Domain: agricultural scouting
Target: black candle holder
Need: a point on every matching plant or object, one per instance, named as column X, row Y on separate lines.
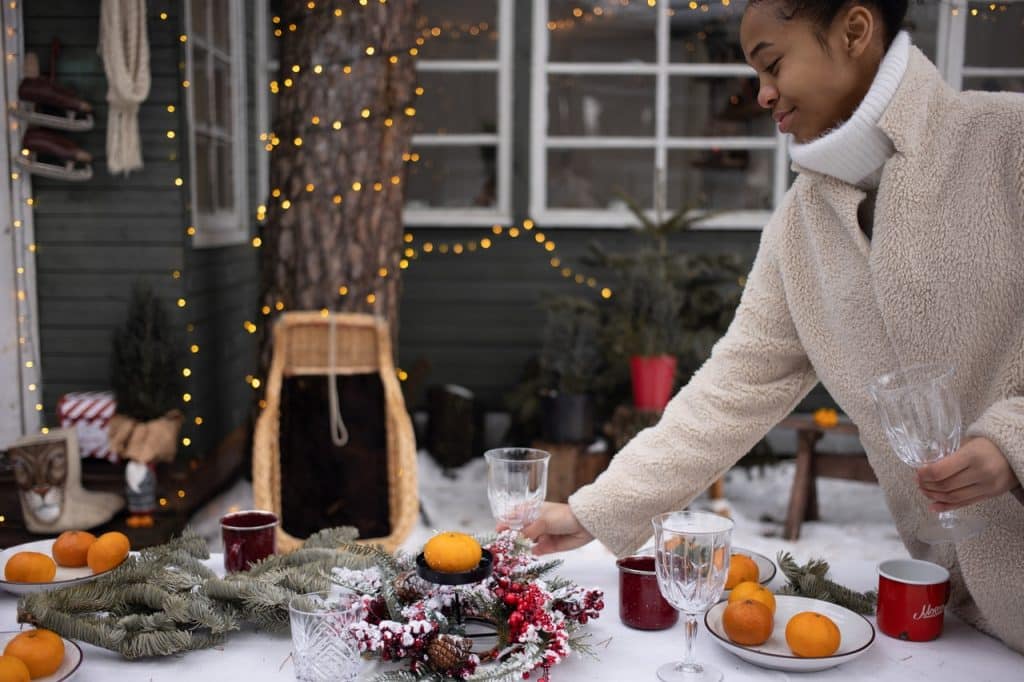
column 481, row 572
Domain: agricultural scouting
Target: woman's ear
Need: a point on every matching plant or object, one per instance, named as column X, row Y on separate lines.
column 858, row 26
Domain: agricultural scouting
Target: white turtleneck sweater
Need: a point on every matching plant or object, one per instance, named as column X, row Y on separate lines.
column 855, row 151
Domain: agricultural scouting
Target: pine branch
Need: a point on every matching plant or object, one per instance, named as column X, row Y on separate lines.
column 809, row 581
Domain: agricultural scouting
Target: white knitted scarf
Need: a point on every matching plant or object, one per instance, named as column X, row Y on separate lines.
column 124, row 47
column 855, row 151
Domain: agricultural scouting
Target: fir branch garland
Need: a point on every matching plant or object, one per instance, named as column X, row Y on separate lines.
column 810, row 580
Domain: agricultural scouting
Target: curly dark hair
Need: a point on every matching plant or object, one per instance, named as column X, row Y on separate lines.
column 823, row 12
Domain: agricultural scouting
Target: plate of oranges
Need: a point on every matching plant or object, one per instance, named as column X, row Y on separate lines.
column 38, row 655
column 783, row 632
column 74, row 557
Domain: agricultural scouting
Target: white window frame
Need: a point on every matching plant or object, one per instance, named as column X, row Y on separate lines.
column 501, row 212
column 222, row 228
column 952, row 45
column 263, row 73
column 662, row 68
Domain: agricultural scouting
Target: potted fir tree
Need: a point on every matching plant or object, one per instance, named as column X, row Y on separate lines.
column 569, row 361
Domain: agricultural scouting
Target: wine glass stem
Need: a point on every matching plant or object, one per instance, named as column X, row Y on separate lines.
column 947, row 519
column 689, row 665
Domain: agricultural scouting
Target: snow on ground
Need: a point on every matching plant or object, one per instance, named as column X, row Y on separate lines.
column 854, row 518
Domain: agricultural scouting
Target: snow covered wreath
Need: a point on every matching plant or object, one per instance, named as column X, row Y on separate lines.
column 537, row 618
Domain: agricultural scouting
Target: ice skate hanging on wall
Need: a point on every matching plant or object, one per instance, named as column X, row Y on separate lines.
column 47, row 107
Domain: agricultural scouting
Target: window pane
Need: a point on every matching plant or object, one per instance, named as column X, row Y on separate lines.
column 222, row 95
column 205, row 181
column 601, row 105
column 922, row 23
column 716, row 107
column 601, row 31
column 457, row 103
column 452, row 177
column 707, row 32
column 225, row 178
column 198, row 10
column 994, row 35
column 721, row 179
column 200, row 85
column 222, row 24
column 596, row 178
column 458, row 29
column 995, row 84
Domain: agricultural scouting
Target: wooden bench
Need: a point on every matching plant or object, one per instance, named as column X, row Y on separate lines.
column 810, row 464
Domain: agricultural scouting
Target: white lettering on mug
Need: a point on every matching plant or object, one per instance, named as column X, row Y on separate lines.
column 929, row 611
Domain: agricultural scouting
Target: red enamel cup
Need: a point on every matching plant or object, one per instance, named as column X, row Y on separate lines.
column 912, row 596
column 641, row 605
column 249, row 537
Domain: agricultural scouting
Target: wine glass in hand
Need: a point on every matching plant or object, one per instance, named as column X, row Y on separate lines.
column 921, row 417
column 517, row 483
column 692, row 562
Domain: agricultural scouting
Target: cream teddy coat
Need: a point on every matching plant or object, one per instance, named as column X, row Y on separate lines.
column 941, row 280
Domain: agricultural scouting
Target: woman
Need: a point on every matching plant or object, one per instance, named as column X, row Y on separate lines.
column 900, row 242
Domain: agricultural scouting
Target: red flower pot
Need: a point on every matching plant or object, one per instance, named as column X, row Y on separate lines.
column 653, row 378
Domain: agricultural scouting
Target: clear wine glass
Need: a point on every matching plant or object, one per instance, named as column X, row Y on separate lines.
column 921, row 417
column 691, row 557
column 517, row 483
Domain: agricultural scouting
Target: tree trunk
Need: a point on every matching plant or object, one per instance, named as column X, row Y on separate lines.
column 333, row 237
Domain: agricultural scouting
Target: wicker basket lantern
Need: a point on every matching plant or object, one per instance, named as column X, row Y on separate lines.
column 362, row 345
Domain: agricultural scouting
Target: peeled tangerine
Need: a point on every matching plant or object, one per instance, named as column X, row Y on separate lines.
column 812, row 635
column 452, row 552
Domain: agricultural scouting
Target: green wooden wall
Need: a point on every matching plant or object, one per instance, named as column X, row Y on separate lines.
column 97, row 238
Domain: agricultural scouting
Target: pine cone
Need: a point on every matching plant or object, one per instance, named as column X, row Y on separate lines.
column 446, row 652
column 404, row 587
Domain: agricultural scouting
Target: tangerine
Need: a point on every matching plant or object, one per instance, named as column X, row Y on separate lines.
column 741, row 569
column 452, row 552
column 71, row 548
column 755, row 591
column 30, row 567
column 109, row 550
column 42, row 651
column 748, row 622
column 810, row 634
column 13, row 670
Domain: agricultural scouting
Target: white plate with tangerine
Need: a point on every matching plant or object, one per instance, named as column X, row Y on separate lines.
column 68, row 563
column 855, row 635
column 39, row 656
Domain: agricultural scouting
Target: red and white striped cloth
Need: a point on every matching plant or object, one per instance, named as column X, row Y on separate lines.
column 89, row 413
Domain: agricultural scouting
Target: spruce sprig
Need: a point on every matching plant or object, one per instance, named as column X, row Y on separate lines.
column 810, row 580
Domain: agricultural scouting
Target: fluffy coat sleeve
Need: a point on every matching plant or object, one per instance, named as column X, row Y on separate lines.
column 758, row 371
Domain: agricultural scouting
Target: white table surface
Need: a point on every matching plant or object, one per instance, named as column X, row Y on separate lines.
column 624, row 655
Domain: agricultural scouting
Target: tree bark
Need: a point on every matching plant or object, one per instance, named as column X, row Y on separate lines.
column 333, row 237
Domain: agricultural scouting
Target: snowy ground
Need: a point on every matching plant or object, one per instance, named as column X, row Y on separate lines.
column 855, row 521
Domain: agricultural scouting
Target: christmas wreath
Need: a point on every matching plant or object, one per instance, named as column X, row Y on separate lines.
column 537, row 618
column 166, row 601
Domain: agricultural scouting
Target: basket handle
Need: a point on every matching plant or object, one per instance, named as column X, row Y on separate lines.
column 339, row 433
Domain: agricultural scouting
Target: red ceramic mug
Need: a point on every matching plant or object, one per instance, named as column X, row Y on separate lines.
column 641, row 605
column 912, row 596
column 249, row 536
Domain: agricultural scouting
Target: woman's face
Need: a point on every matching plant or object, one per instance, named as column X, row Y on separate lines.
column 808, row 89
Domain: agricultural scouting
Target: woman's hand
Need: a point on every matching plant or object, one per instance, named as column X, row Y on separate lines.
column 975, row 472
column 556, row 530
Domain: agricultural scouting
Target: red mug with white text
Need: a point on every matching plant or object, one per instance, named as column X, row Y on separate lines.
column 912, row 596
